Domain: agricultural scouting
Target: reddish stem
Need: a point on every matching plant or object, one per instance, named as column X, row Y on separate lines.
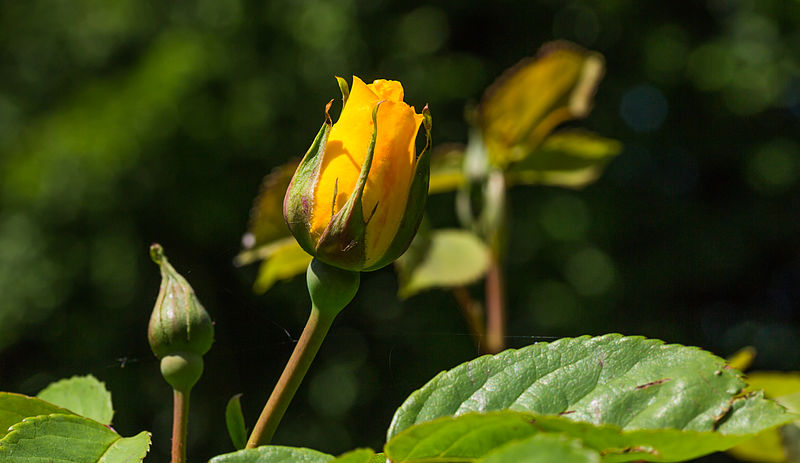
column 180, row 422
column 495, row 307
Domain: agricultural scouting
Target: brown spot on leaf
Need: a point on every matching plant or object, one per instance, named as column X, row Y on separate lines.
column 652, row 383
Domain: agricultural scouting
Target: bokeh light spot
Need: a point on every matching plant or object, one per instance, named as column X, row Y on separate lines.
column 590, row 271
column 576, row 22
column 774, row 167
column 644, row 108
column 711, row 66
column 333, row 390
column 565, row 217
column 423, row 30
column 665, row 53
column 552, row 304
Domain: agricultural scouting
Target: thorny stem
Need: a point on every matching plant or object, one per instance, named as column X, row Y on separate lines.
column 180, row 421
column 304, row 352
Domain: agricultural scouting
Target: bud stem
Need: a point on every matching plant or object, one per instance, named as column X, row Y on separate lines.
column 304, row 353
column 331, row 289
column 180, row 421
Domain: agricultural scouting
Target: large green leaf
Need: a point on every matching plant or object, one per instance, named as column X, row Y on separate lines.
column 473, row 436
column 465, row 438
column 16, row 407
column 69, row 439
column 544, row 448
column 273, row 454
column 631, row 382
column 84, row 395
column 570, row 158
column 448, row 258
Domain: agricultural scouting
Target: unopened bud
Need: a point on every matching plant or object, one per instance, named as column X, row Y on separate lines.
column 180, row 329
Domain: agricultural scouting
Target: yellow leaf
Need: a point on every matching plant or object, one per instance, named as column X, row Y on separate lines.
column 286, row 261
column 529, row 100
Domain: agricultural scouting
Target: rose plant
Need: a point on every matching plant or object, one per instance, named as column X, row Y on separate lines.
column 353, row 204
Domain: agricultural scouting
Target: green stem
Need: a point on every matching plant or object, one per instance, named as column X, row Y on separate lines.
column 180, row 421
column 304, row 352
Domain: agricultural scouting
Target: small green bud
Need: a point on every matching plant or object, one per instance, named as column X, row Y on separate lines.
column 179, row 325
column 331, row 288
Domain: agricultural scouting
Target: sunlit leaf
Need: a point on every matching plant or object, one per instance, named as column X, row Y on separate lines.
column 784, row 388
column 273, row 454
column 448, row 258
column 285, row 260
column 529, row 100
column 16, row 407
column 360, row 456
column 266, row 223
column 544, row 448
column 234, row 421
column 630, row 382
column 499, row 437
column 70, row 439
column 84, row 395
column 473, row 436
column 571, row 158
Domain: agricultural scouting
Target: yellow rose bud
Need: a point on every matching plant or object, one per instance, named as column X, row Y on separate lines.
column 357, row 197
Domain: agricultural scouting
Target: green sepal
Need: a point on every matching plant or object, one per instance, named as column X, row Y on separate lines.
column 342, row 243
column 345, row 89
column 415, row 204
column 178, row 323
column 298, row 204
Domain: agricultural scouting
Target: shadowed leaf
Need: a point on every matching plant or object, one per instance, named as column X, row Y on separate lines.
column 234, row 420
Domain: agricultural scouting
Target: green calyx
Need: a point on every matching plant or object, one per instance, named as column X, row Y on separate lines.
column 298, row 204
column 331, row 288
column 179, row 324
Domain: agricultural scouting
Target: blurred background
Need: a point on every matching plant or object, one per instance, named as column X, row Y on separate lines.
column 128, row 122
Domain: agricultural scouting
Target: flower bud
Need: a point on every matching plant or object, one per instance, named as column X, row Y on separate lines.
column 357, row 198
column 180, row 330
